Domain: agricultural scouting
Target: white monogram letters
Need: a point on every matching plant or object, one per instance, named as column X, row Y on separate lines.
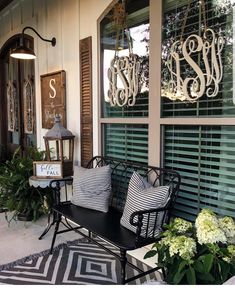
column 201, row 59
column 51, row 82
column 124, row 80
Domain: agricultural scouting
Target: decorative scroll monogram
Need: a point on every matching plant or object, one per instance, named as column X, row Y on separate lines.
column 124, row 80
column 124, row 71
column 201, row 56
column 28, row 107
column 12, row 107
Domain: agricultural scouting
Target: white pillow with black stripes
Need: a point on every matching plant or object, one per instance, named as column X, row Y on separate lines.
column 142, row 195
column 92, row 188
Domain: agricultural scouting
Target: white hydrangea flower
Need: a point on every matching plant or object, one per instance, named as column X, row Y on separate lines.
column 166, row 241
column 231, row 240
column 228, row 226
column 208, row 232
column 227, row 259
column 231, row 250
column 181, row 225
column 205, row 214
column 184, row 246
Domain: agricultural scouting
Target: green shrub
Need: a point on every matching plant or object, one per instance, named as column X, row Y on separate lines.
column 15, row 192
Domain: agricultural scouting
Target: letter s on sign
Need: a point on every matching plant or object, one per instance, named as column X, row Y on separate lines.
column 52, row 88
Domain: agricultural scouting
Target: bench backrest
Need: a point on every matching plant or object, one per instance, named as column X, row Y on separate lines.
column 122, row 172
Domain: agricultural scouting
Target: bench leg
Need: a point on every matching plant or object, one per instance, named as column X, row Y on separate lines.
column 163, row 274
column 55, row 232
column 123, row 261
column 49, row 224
column 89, row 235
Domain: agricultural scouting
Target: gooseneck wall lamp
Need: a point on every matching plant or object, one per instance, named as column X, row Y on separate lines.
column 24, row 52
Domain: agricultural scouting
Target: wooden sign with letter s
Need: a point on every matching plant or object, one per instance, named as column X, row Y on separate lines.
column 53, row 98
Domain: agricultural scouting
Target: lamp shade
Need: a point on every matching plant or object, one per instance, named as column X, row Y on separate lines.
column 23, row 52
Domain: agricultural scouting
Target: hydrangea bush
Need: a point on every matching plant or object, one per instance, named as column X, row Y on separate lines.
column 203, row 253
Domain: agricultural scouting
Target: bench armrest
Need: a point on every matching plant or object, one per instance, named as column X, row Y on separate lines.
column 136, row 219
column 56, row 185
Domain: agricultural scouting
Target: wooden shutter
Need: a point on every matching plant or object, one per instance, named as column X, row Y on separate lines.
column 86, row 100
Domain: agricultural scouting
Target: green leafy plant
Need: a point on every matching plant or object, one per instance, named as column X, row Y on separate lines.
column 15, row 192
column 203, row 253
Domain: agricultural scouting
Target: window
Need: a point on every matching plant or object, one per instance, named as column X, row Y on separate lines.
column 194, row 138
column 125, row 128
column 223, row 104
column 18, row 125
column 127, row 142
column 198, row 138
column 205, row 159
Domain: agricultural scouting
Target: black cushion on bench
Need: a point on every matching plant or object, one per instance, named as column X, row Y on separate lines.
column 107, row 225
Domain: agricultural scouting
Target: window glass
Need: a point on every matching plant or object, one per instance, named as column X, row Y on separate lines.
column 182, row 18
column 114, row 41
column 126, row 142
column 205, row 158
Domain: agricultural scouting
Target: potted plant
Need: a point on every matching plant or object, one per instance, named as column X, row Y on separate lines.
column 15, row 192
column 200, row 253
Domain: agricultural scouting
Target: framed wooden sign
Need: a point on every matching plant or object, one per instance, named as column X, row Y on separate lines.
column 47, row 169
column 53, row 98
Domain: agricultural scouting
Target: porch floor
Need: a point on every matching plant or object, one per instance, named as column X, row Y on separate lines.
column 20, row 239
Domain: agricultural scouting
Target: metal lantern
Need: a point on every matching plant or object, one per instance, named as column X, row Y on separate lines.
column 59, row 143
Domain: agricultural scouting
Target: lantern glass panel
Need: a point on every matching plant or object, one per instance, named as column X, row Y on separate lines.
column 66, row 149
column 54, row 150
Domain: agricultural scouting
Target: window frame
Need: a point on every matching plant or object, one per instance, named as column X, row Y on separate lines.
column 112, row 120
column 155, row 122
column 183, row 121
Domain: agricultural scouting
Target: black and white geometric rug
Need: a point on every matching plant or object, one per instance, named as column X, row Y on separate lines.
column 77, row 262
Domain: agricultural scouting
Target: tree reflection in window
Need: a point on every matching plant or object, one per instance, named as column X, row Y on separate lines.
column 138, row 26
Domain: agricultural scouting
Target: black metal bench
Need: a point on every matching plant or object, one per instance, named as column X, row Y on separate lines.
column 107, row 225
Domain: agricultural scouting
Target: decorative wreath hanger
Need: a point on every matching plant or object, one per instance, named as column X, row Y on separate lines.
column 12, row 107
column 205, row 77
column 124, row 71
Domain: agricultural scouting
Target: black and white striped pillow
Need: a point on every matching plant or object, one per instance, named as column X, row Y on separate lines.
column 92, row 189
column 142, row 195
